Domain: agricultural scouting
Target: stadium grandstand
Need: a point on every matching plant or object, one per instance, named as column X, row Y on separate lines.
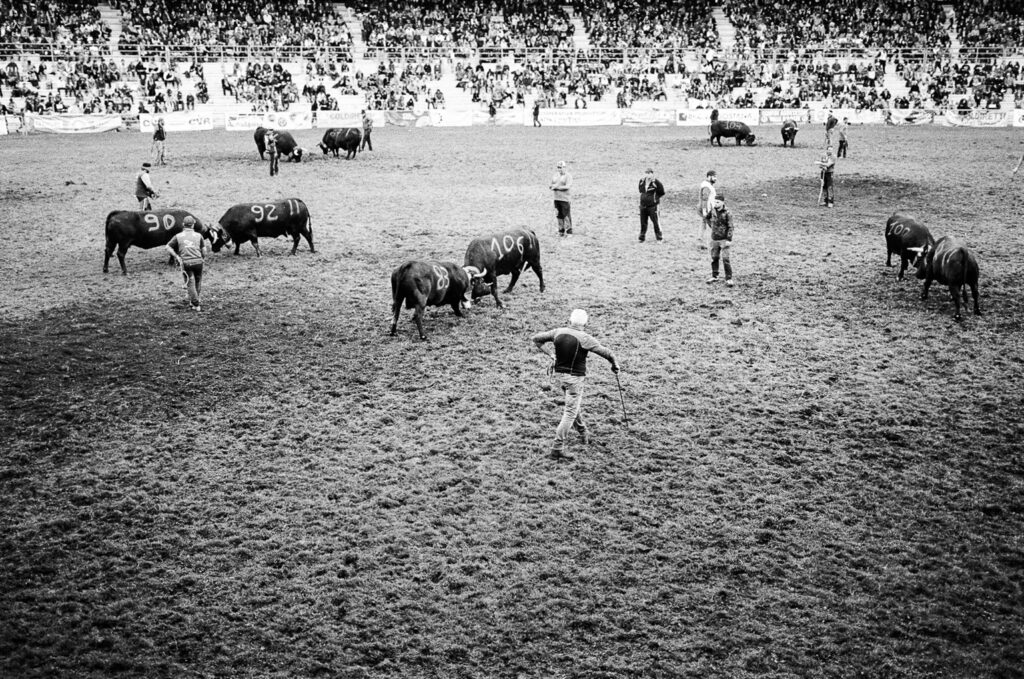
column 152, row 56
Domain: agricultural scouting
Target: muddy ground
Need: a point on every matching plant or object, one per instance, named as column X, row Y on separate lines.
column 821, row 474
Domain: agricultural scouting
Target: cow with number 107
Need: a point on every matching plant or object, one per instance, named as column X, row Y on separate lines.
column 248, row 222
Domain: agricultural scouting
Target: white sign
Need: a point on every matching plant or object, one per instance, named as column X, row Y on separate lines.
column 338, row 119
column 1018, row 117
column 73, row 124
column 175, row 122
column 562, row 117
column 450, row 117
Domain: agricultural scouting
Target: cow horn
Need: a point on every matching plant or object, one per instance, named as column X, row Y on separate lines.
column 918, row 250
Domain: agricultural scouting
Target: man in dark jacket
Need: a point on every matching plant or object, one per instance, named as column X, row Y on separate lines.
column 651, row 191
column 721, row 239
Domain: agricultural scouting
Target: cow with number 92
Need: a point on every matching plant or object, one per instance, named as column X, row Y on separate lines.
column 248, row 222
column 146, row 230
column 419, row 284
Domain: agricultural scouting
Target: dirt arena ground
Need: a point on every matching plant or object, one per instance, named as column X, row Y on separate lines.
column 821, row 476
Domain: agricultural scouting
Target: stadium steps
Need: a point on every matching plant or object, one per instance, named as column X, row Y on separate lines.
column 954, row 40
column 580, row 37
column 355, row 30
column 112, row 19
column 726, row 31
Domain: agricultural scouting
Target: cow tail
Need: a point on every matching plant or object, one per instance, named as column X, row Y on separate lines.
column 106, row 231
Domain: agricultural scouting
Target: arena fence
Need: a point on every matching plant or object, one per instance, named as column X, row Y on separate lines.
column 638, row 116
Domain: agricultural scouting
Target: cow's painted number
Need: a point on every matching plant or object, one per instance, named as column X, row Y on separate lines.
column 442, row 277
column 507, row 243
column 154, row 222
column 899, row 229
column 265, row 212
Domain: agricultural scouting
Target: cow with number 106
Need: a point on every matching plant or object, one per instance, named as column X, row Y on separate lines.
column 248, row 222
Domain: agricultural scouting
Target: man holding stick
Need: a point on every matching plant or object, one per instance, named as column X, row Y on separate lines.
column 572, row 345
column 827, row 165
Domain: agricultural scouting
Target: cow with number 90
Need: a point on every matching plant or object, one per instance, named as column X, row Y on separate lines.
column 247, row 222
column 146, row 230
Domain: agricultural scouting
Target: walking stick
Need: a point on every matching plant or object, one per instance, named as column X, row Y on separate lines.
column 821, row 189
column 622, row 401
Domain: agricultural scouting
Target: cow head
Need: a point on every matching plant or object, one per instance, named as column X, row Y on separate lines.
column 298, row 154
column 923, row 261
column 322, row 147
column 917, row 255
column 478, row 288
column 218, row 237
column 750, row 139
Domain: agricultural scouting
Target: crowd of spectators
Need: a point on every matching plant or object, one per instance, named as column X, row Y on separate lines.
column 267, row 86
column 990, row 23
column 945, row 83
column 84, row 85
column 767, row 24
column 657, row 25
column 398, row 85
column 236, row 26
column 62, row 26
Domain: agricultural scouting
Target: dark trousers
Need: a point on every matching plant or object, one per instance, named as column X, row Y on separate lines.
column 829, row 190
column 193, row 275
column 842, row 149
column 649, row 213
column 366, row 141
column 274, row 163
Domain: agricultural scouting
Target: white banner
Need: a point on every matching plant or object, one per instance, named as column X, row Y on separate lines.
column 777, row 116
column 980, row 118
column 234, row 122
column 3, row 126
column 450, row 117
column 72, row 124
column 693, row 117
column 289, row 120
column 908, row 116
column 648, row 117
column 750, row 116
column 562, row 117
column 1018, row 117
column 175, row 122
column 350, row 103
column 345, row 118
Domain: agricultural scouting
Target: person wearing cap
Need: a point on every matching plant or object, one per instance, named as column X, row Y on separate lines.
column 706, row 205
column 651, row 191
column 144, row 191
column 159, row 139
column 830, row 124
column 827, row 164
column 560, row 185
column 572, row 344
column 367, row 129
column 189, row 249
column 721, row 239
column 843, row 145
column 270, row 138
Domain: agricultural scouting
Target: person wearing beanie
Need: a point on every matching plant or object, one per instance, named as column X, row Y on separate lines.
column 572, row 344
column 651, row 191
column 721, row 239
column 189, row 249
column 144, row 188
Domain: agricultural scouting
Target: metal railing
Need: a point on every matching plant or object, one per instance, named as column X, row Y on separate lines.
column 217, row 53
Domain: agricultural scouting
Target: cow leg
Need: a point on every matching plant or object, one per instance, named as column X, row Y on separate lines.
column 238, row 244
column 888, row 257
column 956, row 301
column 924, row 290
column 738, row 141
column 121, row 252
column 256, row 244
column 396, row 310
column 903, row 267
column 974, row 293
column 295, row 242
column 418, row 317
column 494, row 292
column 107, row 252
column 540, row 274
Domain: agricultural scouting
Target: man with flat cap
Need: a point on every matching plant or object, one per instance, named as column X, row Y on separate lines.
column 189, row 249
column 572, row 345
column 651, row 191
column 144, row 188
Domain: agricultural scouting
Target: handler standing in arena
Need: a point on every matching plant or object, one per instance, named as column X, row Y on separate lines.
column 721, row 239
column 828, row 166
column 572, row 345
column 830, row 124
column 367, row 129
column 275, row 158
column 159, row 139
column 188, row 247
column 706, row 205
column 144, row 188
column 843, row 145
column 560, row 185
column 651, row 191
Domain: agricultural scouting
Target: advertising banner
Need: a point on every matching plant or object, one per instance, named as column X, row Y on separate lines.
column 337, row 119
column 696, row 117
column 1018, row 117
column 693, row 117
column 289, row 120
column 564, row 117
column 175, row 122
column 72, row 124
column 406, row 118
column 648, row 117
column 3, row 126
column 505, row 117
column 450, row 117
column 908, row 116
column 777, row 116
column 980, row 118
column 234, row 122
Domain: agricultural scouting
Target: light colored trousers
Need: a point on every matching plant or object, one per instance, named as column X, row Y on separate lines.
column 572, row 411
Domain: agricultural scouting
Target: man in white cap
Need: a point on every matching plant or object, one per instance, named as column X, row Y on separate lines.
column 144, row 188
column 572, row 345
column 188, row 247
column 560, row 185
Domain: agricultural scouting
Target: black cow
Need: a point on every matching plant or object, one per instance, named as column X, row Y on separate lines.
column 247, row 222
column 729, row 128
column 421, row 284
column 908, row 238
column 951, row 264
column 504, row 253
column 149, row 229
column 286, row 145
column 346, row 139
column 789, row 130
